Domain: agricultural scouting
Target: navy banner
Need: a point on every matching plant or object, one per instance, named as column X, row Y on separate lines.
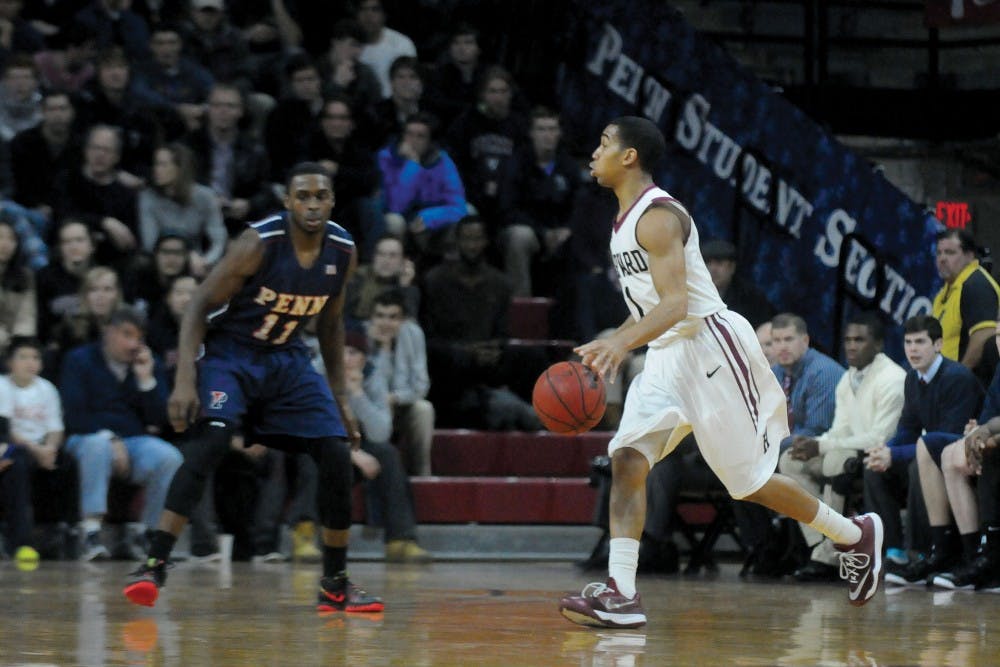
column 812, row 220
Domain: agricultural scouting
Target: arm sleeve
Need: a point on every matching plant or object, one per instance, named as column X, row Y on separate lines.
column 399, row 180
column 371, row 407
column 79, row 417
column 453, row 207
column 215, row 228
column 149, row 230
column 904, row 453
column 153, row 403
column 820, row 401
column 991, row 406
column 411, row 380
column 962, row 398
column 979, row 303
column 909, row 428
column 53, row 410
column 26, row 317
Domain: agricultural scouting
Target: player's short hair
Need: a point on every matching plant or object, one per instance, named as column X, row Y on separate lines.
column 20, row 61
column 542, row 112
column 468, row 220
column 642, row 135
column 231, row 86
column 113, row 55
column 963, row 237
column 491, row 74
column 928, row 323
column 391, row 297
column 348, row 29
column 170, row 236
column 305, row 168
column 50, row 93
column 297, row 63
column 870, row 320
column 17, row 342
column 785, row 320
column 405, row 62
column 127, row 315
column 462, row 29
column 423, row 118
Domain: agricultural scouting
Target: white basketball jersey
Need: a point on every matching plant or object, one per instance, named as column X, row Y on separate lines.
column 632, row 263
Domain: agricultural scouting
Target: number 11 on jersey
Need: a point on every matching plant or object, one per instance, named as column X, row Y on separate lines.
column 264, row 330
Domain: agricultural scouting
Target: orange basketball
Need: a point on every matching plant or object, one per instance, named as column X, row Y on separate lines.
column 568, row 398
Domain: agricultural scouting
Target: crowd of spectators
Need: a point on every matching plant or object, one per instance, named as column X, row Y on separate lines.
column 138, row 137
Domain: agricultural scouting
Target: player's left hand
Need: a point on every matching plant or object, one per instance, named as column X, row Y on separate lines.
column 603, row 356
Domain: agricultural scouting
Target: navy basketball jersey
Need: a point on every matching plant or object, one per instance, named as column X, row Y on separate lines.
column 277, row 300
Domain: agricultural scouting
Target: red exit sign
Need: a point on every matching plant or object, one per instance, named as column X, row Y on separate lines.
column 954, row 213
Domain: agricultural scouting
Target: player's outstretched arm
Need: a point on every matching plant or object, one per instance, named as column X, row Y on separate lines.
column 662, row 233
column 330, row 333
column 222, row 283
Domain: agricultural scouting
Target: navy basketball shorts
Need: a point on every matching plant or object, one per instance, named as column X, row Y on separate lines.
column 268, row 392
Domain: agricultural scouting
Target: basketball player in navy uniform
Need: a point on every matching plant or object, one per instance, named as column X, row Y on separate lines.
column 255, row 374
column 704, row 372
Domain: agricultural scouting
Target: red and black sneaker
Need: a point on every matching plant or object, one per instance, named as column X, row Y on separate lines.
column 146, row 581
column 603, row 606
column 861, row 562
column 339, row 594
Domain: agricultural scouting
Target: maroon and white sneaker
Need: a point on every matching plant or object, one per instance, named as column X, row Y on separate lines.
column 861, row 562
column 603, row 606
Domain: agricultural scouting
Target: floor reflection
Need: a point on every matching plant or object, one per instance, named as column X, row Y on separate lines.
column 472, row 614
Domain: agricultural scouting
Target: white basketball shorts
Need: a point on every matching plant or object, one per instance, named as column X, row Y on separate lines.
column 719, row 385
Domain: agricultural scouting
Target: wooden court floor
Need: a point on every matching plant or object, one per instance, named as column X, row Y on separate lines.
column 474, row 614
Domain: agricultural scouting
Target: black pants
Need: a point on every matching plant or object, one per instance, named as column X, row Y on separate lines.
column 283, row 474
column 886, row 493
column 15, row 499
column 389, row 498
column 988, row 489
column 682, row 470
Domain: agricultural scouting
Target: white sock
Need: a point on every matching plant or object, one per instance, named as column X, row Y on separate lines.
column 834, row 525
column 623, row 560
column 91, row 526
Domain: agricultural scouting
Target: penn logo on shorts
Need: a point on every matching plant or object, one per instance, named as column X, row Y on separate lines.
column 331, row 269
column 218, row 398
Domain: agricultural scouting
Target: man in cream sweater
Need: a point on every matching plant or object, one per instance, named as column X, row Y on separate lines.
column 869, row 400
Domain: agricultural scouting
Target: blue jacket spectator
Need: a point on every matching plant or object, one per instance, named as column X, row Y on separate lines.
column 114, row 393
column 420, row 181
column 95, row 399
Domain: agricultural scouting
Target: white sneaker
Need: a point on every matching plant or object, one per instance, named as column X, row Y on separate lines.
column 273, row 557
column 93, row 549
column 207, row 558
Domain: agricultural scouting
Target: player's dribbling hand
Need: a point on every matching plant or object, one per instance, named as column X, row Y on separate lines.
column 182, row 407
column 603, row 356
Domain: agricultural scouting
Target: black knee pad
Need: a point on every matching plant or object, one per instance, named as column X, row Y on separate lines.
column 203, row 449
column 333, row 493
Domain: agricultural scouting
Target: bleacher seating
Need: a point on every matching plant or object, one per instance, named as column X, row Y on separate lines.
column 528, row 317
column 512, row 477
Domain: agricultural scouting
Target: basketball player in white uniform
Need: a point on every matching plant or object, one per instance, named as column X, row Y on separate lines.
column 705, row 371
